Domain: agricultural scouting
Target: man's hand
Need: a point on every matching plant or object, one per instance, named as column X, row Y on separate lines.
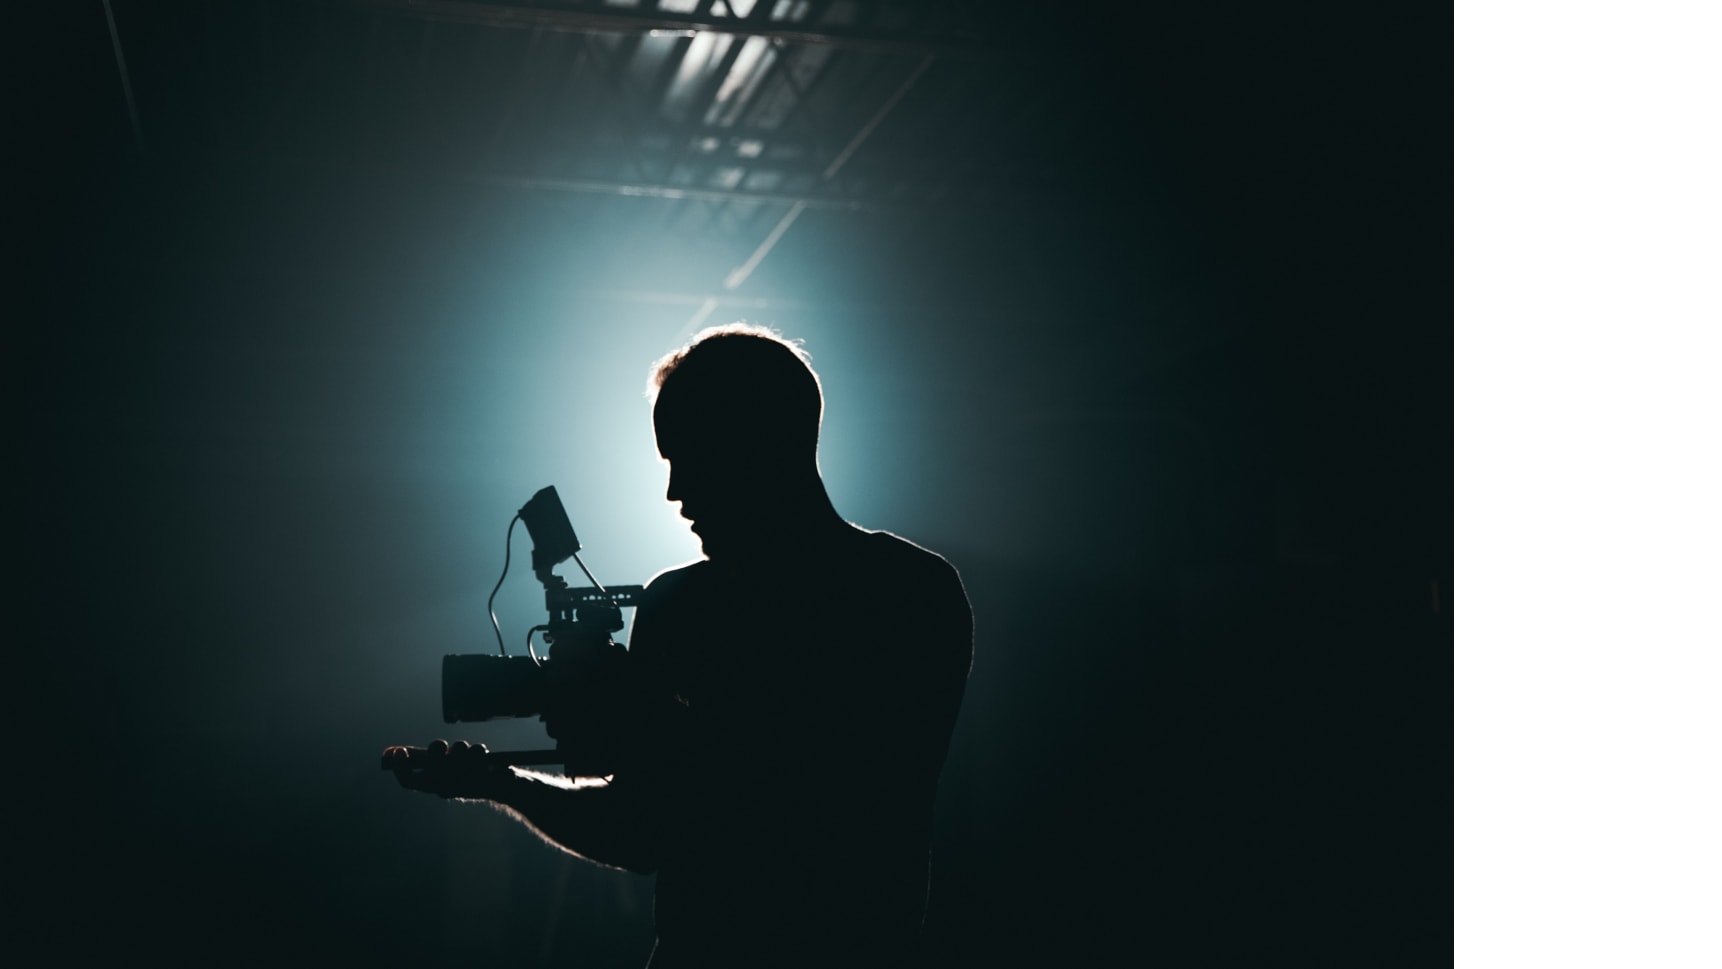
column 447, row 770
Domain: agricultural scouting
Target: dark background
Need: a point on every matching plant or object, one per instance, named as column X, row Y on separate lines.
column 1186, row 434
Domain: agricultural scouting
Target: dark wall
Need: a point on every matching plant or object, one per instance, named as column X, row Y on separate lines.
column 1188, row 441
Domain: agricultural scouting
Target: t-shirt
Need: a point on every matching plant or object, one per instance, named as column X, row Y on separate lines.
column 792, row 799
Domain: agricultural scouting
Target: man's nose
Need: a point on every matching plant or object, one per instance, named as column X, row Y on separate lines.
column 677, row 488
column 694, row 481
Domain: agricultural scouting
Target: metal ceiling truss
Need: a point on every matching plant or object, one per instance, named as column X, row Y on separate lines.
column 758, row 117
column 770, row 19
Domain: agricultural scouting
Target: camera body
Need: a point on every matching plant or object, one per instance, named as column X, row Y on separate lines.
column 488, row 686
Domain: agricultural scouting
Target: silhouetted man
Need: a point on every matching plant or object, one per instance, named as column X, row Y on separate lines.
column 789, row 699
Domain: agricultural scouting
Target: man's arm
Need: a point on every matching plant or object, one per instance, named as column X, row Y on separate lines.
column 588, row 818
column 601, row 822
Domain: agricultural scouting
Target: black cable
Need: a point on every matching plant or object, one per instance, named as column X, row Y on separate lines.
column 490, row 605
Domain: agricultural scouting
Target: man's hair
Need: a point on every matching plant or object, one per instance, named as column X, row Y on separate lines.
column 752, row 382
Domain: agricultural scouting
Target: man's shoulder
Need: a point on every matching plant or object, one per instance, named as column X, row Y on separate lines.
column 900, row 556
column 866, row 552
column 926, row 594
column 678, row 580
column 881, row 542
column 671, row 604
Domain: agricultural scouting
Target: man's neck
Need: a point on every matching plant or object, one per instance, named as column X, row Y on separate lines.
column 797, row 525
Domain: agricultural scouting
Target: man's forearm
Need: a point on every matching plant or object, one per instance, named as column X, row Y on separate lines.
column 593, row 820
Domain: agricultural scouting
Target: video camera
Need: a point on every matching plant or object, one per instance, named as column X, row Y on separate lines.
column 570, row 689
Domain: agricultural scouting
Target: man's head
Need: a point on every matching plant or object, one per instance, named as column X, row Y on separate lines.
column 737, row 413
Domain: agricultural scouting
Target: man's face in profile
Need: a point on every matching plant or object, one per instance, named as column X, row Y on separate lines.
column 724, row 488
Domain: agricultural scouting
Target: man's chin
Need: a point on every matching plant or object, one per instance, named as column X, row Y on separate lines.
column 708, row 544
column 715, row 543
